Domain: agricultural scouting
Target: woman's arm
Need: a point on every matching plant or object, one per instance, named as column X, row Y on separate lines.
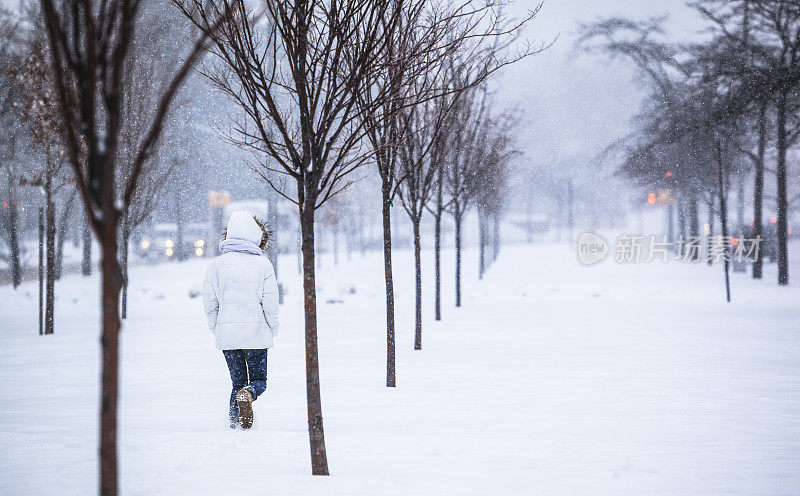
column 210, row 301
column 269, row 300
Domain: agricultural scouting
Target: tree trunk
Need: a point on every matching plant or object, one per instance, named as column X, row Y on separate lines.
column 457, row 219
column 13, row 231
column 86, row 258
column 671, row 223
column 349, row 237
column 682, row 226
column 740, row 204
column 758, row 192
column 496, row 238
column 50, row 240
column 694, row 224
column 75, row 236
column 418, row 279
column 335, row 245
column 739, row 264
column 111, row 285
column 481, row 244
column 318, row 254
column 362, row 240
column 711, row 214
column 437, row 248
column 41, row 271
column 180, row 253
column 723, row 217
column 387, row 268
column 783, row 202
column 62, row 233
column 126, row 235
column 316, row 433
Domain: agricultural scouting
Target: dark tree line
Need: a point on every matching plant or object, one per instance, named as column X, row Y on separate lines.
column 716, row 110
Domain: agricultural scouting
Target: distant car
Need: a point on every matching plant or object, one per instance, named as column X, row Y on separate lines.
column 194, row 240
column 162, row 243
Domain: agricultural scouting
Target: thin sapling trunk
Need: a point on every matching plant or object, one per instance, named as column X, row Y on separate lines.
column 319, row 461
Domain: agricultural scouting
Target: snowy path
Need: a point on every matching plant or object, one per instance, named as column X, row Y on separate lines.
column 553, row 379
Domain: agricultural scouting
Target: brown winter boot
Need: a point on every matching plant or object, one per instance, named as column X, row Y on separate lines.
column 244, row 399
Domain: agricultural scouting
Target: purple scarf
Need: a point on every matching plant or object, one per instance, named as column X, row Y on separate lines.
column 239, row 245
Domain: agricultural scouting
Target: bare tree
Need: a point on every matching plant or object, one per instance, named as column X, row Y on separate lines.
column 427, row 35
column 295, row 71
column 89, row 45
column 40, row 114
column 61, row 232
column 355, row 209
column 692, row 133
column 438, row 211
column 740, row 65
column 467, row 150
column 421, row 156
column 86, row 246
column 415, row 44
column 145, row 72
column 490, row 187
column 427, row 126
column 11, row 52
column 769, row 33
column 332, row 216
column 478, row 150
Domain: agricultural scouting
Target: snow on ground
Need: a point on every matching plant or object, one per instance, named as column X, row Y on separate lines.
column 552, row 379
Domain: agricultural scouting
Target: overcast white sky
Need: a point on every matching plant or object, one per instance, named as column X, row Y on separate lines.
column 575, row 103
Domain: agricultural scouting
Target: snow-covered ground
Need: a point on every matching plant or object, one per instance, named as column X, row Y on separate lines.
column 552, row 379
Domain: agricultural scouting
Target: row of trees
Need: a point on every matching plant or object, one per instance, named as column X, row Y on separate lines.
column 34, row 143
column 323, row 88
column 719, row 111
column 28, row 112
column 95, row 92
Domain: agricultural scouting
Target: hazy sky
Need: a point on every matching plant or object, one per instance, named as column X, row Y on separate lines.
column 575, row 103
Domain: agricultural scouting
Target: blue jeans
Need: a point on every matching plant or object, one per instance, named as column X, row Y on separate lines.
column 248, row 370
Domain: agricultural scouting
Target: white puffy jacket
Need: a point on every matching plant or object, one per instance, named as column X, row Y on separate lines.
column 240, row 293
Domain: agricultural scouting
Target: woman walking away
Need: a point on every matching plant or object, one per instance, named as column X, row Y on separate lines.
column 240, row 296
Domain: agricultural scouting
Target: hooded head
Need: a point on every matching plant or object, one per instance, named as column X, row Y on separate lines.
column 242, row 226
